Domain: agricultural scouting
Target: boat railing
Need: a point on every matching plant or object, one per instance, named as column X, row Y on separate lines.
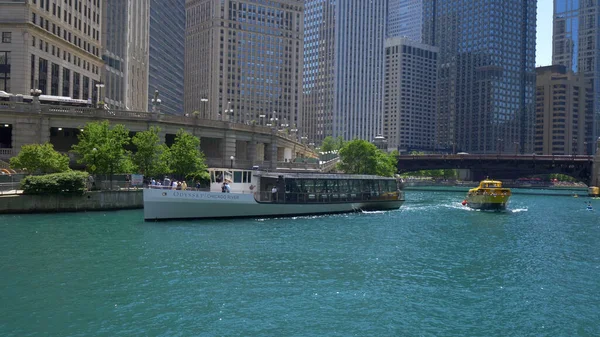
column 324, row 197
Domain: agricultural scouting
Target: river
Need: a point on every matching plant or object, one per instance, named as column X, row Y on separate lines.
column 432, row 268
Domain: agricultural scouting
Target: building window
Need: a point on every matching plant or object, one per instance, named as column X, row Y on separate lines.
column 5, row 71
column 43, row 75
column 6, row 37
column 66, row 82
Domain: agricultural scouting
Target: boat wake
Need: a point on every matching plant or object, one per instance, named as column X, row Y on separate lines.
column 518, row 210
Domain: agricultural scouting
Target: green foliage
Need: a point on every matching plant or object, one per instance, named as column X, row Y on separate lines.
column 151, row 158
column 328, row 144
column 362, row 157
column 102, row 149
column 332, row 144
column 66, row 182
column 40, row 158
column 185, row 157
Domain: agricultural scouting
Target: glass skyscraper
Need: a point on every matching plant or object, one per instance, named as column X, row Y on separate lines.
column 405, row 19
column 576, row 45
column 167, row 52
column 344, row 68
column 486, row 73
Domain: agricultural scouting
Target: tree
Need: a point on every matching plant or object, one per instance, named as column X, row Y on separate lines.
column 328, row 144
column 41, row 158
column 185, row 157
column 332, row 144
column 339, row 144
column 362, row 157
column 151, row 158
column 102, row 149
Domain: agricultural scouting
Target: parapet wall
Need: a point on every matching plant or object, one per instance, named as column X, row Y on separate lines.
column 91, row 201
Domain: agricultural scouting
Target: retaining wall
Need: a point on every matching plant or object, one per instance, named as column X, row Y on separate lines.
column 91, row 201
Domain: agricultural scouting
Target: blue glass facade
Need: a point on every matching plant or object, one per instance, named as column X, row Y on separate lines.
column 486, row 73
column 576, row 45
column 405, row 19
column 167, row 48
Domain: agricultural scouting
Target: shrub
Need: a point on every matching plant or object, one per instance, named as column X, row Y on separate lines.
column 67, row 182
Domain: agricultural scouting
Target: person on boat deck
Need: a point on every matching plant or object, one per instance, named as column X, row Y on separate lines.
column 183, row 185
column 174, row 185
column 227, row 188
column 223, row 188
column 274, row 193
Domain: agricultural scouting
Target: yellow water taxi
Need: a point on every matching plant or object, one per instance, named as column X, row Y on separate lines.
column 594, row 191
column 489, row 195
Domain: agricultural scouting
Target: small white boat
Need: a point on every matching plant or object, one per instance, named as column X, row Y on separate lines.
column 274, row 194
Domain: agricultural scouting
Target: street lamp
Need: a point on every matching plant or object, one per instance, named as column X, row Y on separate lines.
column 35, row 92
column 99, row 87
column 231, row 158
column 262, row 118
column 204, row 100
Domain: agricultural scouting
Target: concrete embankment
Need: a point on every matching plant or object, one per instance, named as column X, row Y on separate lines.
column 91, row 201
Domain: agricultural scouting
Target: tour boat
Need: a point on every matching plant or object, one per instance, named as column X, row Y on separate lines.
column 489, row 195
column 255, row 193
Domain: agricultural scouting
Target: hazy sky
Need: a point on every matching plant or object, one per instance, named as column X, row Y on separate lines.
column 543, row 56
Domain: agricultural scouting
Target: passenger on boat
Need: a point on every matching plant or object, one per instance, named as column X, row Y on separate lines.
column 274, row 193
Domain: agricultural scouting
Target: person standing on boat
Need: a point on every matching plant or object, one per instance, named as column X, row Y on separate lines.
column 274, row 193
column 227, row 188
column 223, row 188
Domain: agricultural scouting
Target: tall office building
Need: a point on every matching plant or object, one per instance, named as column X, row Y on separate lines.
column 486, row 72
column 410, row 90
column 51, row 45
column 576, row 45
column 243, row 60
column 167, row 45
column 564, row 112
column 405, row 19
column 344, row 68
column 125, row 42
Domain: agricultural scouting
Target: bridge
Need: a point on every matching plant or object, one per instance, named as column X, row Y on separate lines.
column 224, row 143
column 582, row 168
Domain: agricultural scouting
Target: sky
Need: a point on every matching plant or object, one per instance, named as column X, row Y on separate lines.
column 543, row 55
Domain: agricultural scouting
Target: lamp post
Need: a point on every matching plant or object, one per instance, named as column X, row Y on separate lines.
column 99, row 87
column 262, row 118
column 95, row 151
column 204, row 100
column 231, row 158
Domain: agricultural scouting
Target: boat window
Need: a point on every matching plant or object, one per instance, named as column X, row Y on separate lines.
column 247, row 177
column 237, row 176
column 212, row 176
column 333, row 186
column 309, row 186
column 218, row 176
column 355, row 186
column 320, row 186
column 343, row 186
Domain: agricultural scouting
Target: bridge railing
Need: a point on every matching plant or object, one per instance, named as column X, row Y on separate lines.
column 496, row 156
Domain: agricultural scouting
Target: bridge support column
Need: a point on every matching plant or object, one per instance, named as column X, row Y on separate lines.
column 271, row 153
column 252, row 151
column 26, row 132
column 596, row 166
column 229, row 145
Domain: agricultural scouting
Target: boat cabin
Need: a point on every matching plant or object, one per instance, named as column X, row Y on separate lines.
column 303, row 187
column 490, row 184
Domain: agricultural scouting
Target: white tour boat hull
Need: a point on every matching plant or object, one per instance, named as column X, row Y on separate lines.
column 162, row 204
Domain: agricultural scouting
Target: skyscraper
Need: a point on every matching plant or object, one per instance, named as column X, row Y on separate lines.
column 405, row 19
column 167, row 45
column 410, row 90
column 125, row 42
column 564, row 112
column 51, row 46
column 576, row 45
column 243, row 61
column 486, row 72
column 344, row 68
